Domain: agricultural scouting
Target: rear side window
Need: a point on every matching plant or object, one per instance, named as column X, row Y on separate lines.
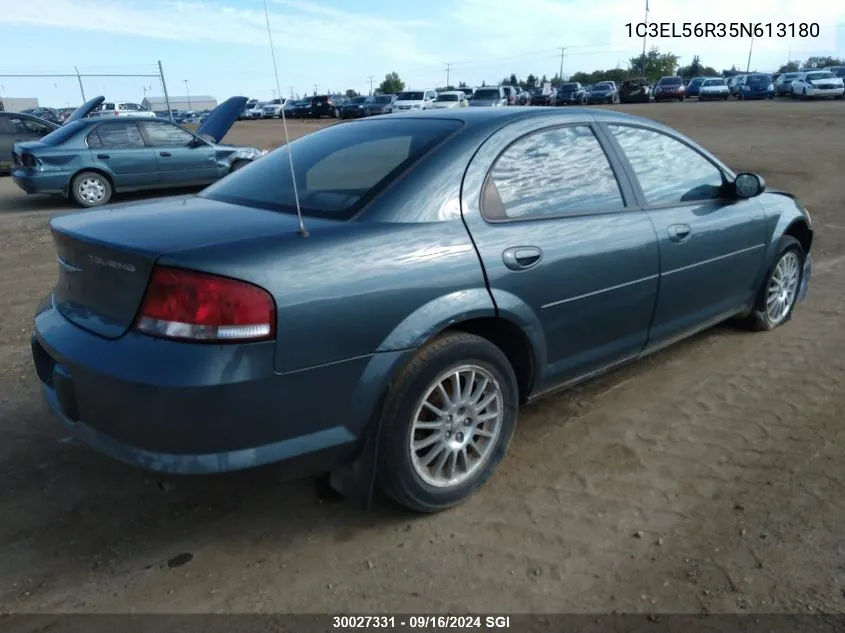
column 118, row 135
column 338, row 169
column 551, row 173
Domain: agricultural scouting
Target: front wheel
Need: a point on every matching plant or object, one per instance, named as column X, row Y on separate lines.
column 779, row 292
column 91, row 189
column 447, row 422
column 238, row 164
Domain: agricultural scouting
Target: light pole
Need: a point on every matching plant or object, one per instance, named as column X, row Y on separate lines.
column 188, row 94
column 645, row 34
column 750, row 48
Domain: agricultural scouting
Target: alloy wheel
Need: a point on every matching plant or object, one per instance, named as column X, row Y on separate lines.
column 783, row 287
column 456, row 426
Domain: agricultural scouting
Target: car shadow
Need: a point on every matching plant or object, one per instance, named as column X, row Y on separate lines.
column 18, row 202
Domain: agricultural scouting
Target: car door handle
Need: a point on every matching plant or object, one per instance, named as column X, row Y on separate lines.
column 164, row 154
column 522, row 257
column 103, row 156
column 679, row 232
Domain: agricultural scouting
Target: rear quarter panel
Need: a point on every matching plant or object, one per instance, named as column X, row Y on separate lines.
column 66, row 159
column 386, row 281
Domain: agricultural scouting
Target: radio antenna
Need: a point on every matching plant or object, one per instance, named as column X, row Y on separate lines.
column 302, row 230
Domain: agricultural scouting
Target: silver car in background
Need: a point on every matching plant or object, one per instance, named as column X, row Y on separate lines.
column 714, row 89
column 489, row 97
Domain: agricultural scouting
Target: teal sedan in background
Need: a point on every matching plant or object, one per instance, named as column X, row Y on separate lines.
column 88, row 160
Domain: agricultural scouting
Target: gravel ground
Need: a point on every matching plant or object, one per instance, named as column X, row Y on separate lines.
column 707, row 478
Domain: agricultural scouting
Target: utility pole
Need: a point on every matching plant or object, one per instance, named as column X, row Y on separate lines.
column 645, row 34
column 562, row 53
column 291, row 91
column 448, row 74
column 79, row 79
column 371, row 80
column 751, row 48
column 164, row 88
column 315, row 89
column 274, row 94
column 188, row 94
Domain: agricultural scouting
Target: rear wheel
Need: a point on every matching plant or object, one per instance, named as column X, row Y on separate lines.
column 779, row 292
column 447, row 422
column 91, row 189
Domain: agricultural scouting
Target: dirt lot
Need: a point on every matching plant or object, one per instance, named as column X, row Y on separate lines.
column 707, row 478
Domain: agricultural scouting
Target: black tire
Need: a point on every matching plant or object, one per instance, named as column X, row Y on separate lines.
column 397, row 476
column 83, row 186
column 758, row 319
column 238, row 164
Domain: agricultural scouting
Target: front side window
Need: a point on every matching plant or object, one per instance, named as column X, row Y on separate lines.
column 163, row 134
column 669, row 171
column 554, row 172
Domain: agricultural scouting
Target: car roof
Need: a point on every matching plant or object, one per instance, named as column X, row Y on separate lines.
column 496, row 117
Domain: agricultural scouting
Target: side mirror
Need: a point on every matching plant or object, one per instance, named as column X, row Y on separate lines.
column 748, row 185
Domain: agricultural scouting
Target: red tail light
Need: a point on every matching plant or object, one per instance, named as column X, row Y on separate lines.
column 186, row 305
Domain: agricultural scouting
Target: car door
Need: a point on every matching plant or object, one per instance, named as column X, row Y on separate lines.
column 182, row 158
column 712, row 245
column 118, row 148
column 560, row 246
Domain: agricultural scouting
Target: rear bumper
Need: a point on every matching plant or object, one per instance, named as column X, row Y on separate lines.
column 183, row 408
column 36, row 182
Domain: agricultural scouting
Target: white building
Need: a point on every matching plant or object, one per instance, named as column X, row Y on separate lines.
column 16, row 104
column 198, row 102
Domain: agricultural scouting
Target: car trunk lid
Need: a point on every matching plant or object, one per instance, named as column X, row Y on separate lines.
column 105, row 257
column 100, row 286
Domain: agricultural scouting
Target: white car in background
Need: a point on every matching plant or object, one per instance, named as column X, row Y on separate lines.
column 257, row 111
column 451, row 99
column 414, row 100
column 714, row 89
column 814, row 84
column 109, row 108
column 273, row 109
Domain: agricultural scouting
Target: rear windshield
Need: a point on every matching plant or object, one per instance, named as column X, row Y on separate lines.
column 382, row 99
column 569, row 87
column 786, row 76
column 447, row 97
column 338, row 170
column 714, row 82
column 480, row 95
column 758, row 79
column 410, row 96
column 57, row 137
column 670, row 81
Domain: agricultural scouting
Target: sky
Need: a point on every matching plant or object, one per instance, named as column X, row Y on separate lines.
column 221, row 48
